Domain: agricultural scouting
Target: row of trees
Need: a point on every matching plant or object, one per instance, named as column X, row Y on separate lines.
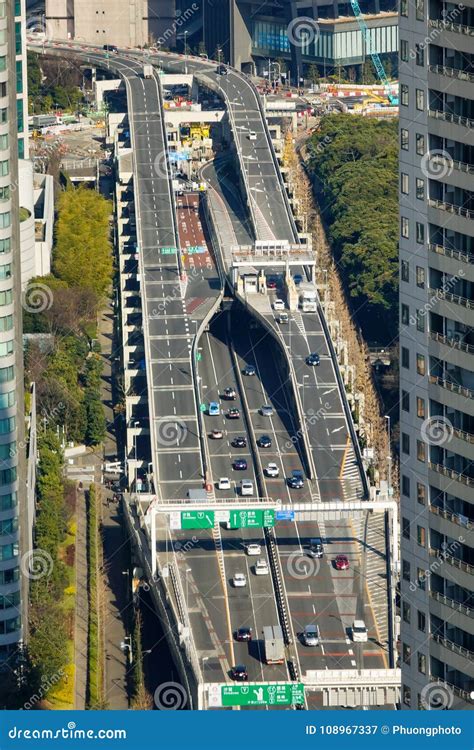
column 53, row 84
column 354, row 163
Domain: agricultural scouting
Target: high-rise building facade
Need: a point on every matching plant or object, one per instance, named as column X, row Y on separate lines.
column 437, row 352
column 13, row 585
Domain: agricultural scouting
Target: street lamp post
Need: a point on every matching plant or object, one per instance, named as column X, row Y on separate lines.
column 389, row 455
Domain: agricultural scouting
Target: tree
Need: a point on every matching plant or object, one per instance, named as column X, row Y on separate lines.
column 368, row 73
column 313, row 73
column 95, row 419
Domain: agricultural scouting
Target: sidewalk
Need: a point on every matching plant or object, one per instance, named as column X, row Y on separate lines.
column 82, row 606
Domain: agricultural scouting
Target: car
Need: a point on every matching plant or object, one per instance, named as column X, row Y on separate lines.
column 246, row 487
column 283, row 318
column 252, row 135
column 266, row 410
column 216, row 434
column 240, row 464
column 243, row 634
column 271, row 284
column 110, row 48
column 239, row 442
column 341, row 562
column 239, row 580
column 278, row 304
column 239, row 673
column 296, row 480
column 359, row 632
column 261, row 568
column 230, row 394
column 297, row 278
column 249, row 370
column 310, row 636
column 253, row 549
column 313, row 360
column 271, row 470
column 223, row 483
column 316, row 548
column 221, row 70
column 214, row 409
column 264, row 441
column 233, row 414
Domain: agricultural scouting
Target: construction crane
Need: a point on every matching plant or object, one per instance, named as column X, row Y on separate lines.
column 377, row 62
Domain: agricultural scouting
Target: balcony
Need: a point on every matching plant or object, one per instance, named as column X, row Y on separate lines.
column 450, row 26
column 455, row 562
column 452, row 604
column 450, row 386
column 453, row 348
column 446, row 161
column 451, row 474
column 450, row 252
column 447, row 259
column 463, row 695
column 456, row 518
column 449, row 297
column 460, row 75
column 451, row 208
column 449, row 524
column 438, row 114
column 454, row 647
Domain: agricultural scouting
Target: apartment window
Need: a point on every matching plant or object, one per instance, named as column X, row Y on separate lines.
column 406, row 653
column 5, row 245
column 421, row 450
column 421, row 536
column 3, row 10
column 420, row 144
column 9, row 576
column 405, row 443
column 406, row 612
column 7, row 450
column 404, row 95
column 420, row 10
column 421, row 493
column 405, row 227
column 406, row 695
column 3, row 141
column 10, row 600
column 405, row 358
column 404, row 184
column 405, row 314
column 4, row 168
column 6, row 348
column 420, row 100
column 5, row 220
column 405, row 528
column 420, row 321
column 420, row 189
column 405, row 270
column 8, row 551
column 404, row 139
column 7, row 399
column 405, row 485
column 403, row 50
column 406, row 571
column 421, row 618
column 10, row 626
column 422, row 663
column 7, row 476
column 7, row 425
column 7, row 502
column 420, row 364
column 420, row 407
column 6, row 297
column 6, row 374
column 6, row 324
column 405, row 401
column 3, row 89
column 420, row 232
column 6, row 271
column 421, row 578
column 4, row 192
column 419, row 54
column 9, row 526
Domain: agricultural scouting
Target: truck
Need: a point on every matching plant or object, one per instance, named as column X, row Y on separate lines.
column 273, row 645
column 308, row 297
column 148, row 71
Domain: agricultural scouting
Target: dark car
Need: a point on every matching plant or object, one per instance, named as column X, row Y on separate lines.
column 239, row 442
column 297, row 278
column 233, row 414
column 271, row 284
column 240, row 464
column 239, row 673
column 221, row 70
column 249, row 370
column 229, row 394
column 110, row 48
column 313, row 359
column 264, row 441
column 243, row 634
column 296, row 480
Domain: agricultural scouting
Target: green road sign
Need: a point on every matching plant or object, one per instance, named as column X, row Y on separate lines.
column 251, row 519
column 281, row 694
column 168, row 250
column 197, row 519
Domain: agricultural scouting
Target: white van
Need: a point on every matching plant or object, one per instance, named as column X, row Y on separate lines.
column 359, row 632
column 252, row 135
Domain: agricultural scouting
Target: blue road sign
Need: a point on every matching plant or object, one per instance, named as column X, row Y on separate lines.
column 285, row 515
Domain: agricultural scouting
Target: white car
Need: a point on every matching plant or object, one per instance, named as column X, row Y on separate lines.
column 278, row 304
column 252, row 135
column 272, row 470
column 253, row 549
column 246, row 487
column 261, row 568
column 239, row 580
column 223, row 484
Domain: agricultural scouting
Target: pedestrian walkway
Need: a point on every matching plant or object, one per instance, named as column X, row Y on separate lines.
column 82, row 606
